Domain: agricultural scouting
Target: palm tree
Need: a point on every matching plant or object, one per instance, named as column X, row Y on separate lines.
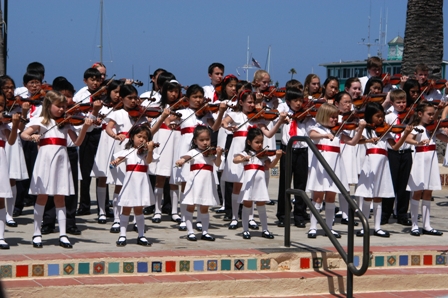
column 423, row 37
column 292, row 71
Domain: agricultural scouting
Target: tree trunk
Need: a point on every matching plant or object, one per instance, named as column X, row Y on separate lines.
column 423, row 37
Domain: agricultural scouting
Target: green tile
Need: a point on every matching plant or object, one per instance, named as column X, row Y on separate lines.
column 113, row 267
column 84, row 268
column 379, row 261
column 252, row 264
column 225, row 265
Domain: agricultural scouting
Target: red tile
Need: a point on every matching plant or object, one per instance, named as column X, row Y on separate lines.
column 305, row 263
column 174, row 278
column 23, row 283
column 51, row 282
column 170, row 266
column 21, row 270
column 427, row 260
column 211, row 276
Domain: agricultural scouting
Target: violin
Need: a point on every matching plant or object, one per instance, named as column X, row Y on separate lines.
column 274, row 92
column 361, row 101
column 408, row 112
column 345, row 126
column 436, row 125
column 263, row 114
column 7, row 118
column 143, row 150
column 100, row 94
column 182, row 103
column 134, row 82
column 149, row 112
column 267, row 153
column 70, row 119
column 382, row 129
column 390, row 79
column 211, row 151
column 39, row 96
column 301, row 115
column 208, row 108
column 430, row 85
column 18, row 101
column 352, row 115
column 313, row 102
column 81, row 107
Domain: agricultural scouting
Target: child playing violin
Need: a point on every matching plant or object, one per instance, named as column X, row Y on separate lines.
column 424, row 176
column 215, row 73
column 52, row 171
column 375, row 181
column 200, row 189
column 312, row 88
column 330, row 88
column 319, row 182
column 254, row 186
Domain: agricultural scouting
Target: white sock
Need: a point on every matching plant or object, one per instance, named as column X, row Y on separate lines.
column 174, row 200
column 140, row 219
column 101, row 198
column 329, row 214
column 414, row 214
column 62, row 220
column 205, row 217
column 183, row 207
column 199, row 217
column 158, row 194
column 2, row 225
column 222, row 185
column 117, row 209
column 426, row 208
column 313, row 219
column 235, row 206
column 377, row 208
column 343, row 206
column 263, row 217
column 366, row 209
column 189, row 221
column 245, row 217
column 252, row 211
column 38, row 215
column 360, row 201
column 124, row 221
column 10, row 202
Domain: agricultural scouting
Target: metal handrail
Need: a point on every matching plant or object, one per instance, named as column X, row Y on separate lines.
column 353, row 210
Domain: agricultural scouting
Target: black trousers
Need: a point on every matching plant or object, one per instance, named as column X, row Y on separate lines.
column 23, row 187
column 400, row 163
column 300, row 177
column 70, row 201
column 228, row 185
column 87, row 152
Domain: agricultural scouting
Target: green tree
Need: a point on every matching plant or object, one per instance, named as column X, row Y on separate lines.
column 292, row 71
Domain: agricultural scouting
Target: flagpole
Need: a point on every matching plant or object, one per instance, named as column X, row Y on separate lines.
column 247, row 60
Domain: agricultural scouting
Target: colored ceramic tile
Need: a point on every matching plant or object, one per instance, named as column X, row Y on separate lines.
column 38, row 270
column 252, row 264
column 391, row 260
column 84, row 268
column 128, row 267
column 142, row 267
column 184, row 266
column 113, row 267
column 356, row 261
column 212, row 265
column 98, row 267
column 5, row 271
column 239, row 264
column 69, row 269
column 317, row 263
column 440, row 260
column 415, row 260
column 21, row 270
column 427, row 260
column 403, row 260
column 225, row 265
column 305, row 263
column 379, row 261
column 156, row 266
column 53, row 269
column 265, row 264
column 198, row 265
column 170, row 266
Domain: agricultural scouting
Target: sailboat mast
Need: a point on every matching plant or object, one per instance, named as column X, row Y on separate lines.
column 101, row 31
column 247, row 60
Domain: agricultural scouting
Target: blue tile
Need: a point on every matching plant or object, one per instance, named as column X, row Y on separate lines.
column 356, row 261
column 225, row 265
column 53, row 269
column 403, row 260
column 113, row 267
column 142, row 267
column 252, row 264
column 198, row 265
column 379, row 261
column 156, row 267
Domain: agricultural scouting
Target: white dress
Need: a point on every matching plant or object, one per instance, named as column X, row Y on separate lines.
column 5, row 187
column 425, row 174
column 318, row 179
column 137, row 190
column 16, row 158
column 201, row 186
column 52, row 174
column 375, row 180
column 105, row 149
column 254, row 185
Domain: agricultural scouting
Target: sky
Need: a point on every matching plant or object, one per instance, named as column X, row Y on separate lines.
column 184, row 37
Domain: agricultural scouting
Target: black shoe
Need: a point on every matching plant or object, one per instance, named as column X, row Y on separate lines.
column 344, row 221
column 271, row 202
column 81, row 212
column 121, row 241
column 102, row 219
column 300, row 224
column 157, row 219
column 182, row 226
column 433, row 232
column 143, row 241
column 4, row 246
column 115, row 228
column 227, row 218
column 74, row 231
column 220, row 211
column 11, row 224
column 208, row 237
column 166, row 211
column 381, row 233
column 246, row 235
column 360, row 233
column 45, row 230
column 176, row 218
column 148, row 210
column 405, row 222
column 37, row 244
column 16, row 212
column 335, row 234
column 64, row 244
column 199, row 226
column 312, row 234
column 253, row 225
column 280, row 224
column 415, row 233
column 135, row 228
column 267, row 234
column 191, row 237
column 233, row 225
column 109, row 213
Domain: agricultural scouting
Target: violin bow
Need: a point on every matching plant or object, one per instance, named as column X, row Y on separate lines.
column 258, row 154
column 253, row 117
column 413, row 104
column 200, row 109
column 57, row 124
column 15, row 100
column 122, row 158
column 435, row 130
column 199, row 153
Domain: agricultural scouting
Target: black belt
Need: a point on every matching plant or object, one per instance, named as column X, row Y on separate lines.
column 297, row 150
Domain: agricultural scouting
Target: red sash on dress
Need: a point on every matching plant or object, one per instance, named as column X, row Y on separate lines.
column 201, row 166
column 136, row 168
column 328, row 148
column 253, row 167
column 425, row 148
column 53, row 141
column 376, row 151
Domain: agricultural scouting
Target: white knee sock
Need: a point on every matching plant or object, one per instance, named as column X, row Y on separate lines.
column 263, row 217
column 62, row 220
column 313, row 219
column 360, row 201
column 329, row 214
column 38, row 215
column 117, row 209
column 426, row 208
column 366, row 209
column 189, row 221
column 414, row 214
column 245, row 217
column 183, row 207
column 10, row 202
column 124, row 221
column 101, row 198
column 158, row 194
column 205, row 217
column 377, row 208
column 140, row 219
column 2, row 225
column 343, row 206
column 174, row 200
column 235, row 206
